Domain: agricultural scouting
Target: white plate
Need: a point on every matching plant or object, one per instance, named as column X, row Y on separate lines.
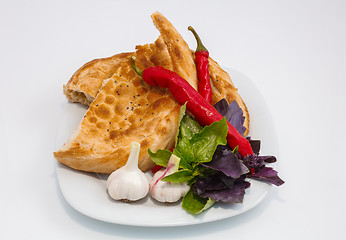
column 87, row 192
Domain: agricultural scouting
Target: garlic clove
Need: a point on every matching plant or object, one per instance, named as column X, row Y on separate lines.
column 166, row 191
column 128, row 183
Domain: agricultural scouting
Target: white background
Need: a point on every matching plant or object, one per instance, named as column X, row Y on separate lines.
column 294, row 51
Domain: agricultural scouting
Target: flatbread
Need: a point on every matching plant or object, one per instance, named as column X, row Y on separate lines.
column 126, row 110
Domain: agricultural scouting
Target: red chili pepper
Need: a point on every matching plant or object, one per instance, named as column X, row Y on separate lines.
column 202, row 110
column 202, row 63
column 156, row 168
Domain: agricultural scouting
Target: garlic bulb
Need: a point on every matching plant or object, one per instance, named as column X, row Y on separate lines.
column 128, row 183
column 167, row 191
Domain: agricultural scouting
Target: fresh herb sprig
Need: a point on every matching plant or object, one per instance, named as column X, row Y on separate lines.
column 213, row 170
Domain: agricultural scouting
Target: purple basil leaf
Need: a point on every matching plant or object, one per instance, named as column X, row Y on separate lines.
column 210, row 183
column 267, row 174
column 228, row 181
column 256, row 162
column 253, row 161
column 247, row 185
column 223, row 108
column 269, row 159
column 226, row 161
column 232, row 195
column 255, row 145
column 233, row 114
column 216, row 181
column 223, row 161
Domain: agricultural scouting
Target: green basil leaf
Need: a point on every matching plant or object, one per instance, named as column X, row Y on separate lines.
column 209, row 203
column 180, row 176
column 183, row 163
column 160, row 157
column 184, row 151
column 181, row 116
column 196, row 144
column 205, row 142
column 195, row 204
column 202, row 171
column 189, row 127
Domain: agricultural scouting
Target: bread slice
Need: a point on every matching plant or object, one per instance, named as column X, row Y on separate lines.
column 126, row 110
column 86, row 82
column 182, row 59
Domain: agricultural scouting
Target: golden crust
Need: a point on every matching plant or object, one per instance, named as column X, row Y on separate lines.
column 223, row 87
column 182, row 59
column 122, row 112
column 85, row 83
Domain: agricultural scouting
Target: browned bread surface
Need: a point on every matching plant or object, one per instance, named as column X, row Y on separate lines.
column 126, row 110
column 223, row 87
column 182, row 59
column 87, row 80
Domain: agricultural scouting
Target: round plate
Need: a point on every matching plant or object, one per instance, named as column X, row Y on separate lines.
column 87, row 192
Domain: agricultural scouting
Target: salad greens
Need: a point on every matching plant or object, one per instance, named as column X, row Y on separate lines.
column 213, row 170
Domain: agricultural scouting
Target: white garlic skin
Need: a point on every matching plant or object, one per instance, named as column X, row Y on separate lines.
column 128, row 183
column 166, row 191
